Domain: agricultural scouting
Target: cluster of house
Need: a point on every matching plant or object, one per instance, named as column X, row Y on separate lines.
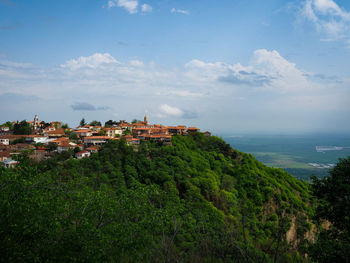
column 44, row 142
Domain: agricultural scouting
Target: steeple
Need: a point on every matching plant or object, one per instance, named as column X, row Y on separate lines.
column 36, row 123
column 145, row 119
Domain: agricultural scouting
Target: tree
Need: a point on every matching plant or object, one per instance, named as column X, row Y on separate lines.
column 95, row 123
column 110, row 123
column 82, row 122
column 333, row 193
column 135, row 121
column 22, row 127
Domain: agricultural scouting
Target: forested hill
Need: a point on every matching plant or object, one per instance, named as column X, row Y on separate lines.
column 197, row 200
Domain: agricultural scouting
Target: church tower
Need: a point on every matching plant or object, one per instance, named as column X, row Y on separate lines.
column 145, row 119
column 36, row 123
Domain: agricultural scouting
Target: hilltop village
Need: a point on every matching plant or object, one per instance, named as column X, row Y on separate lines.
column 43, row 140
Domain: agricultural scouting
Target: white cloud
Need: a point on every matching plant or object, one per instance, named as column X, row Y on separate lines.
column 136, row 63
column 129, row 5
column 92, row 61
column 181, row 11
column 110, row 4
column 268, row 70
column 186, row 93
column 329, row 19
column 269, row 84
column 166, row 110
column 146, row 8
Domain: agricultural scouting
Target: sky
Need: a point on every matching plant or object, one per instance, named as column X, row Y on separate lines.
column 228, row 66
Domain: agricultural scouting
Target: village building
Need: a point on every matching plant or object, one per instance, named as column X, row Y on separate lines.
column 192, row 130
column 96, row 140
column 83, row 132
column 113, row 132
column 56, row 124
column 5, row 154
column 9, row 163
column 82, row 154
column 66, row 146
column 21, row 147
column 7, row 139
column 176, row 130
column 55, row 133
column 34, row 138
column 207, row 133
column 93, row 149
column 163, row 138
column 125, row 126
column 4, row 129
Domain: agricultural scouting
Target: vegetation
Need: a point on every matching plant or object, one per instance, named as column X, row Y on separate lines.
column 22, row 127
column 95, row 123
column 110, row 123
column 82, row 122
column 195, row 201
column 333, row 192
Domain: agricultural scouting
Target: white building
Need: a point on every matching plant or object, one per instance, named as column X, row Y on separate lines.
column 82, row 154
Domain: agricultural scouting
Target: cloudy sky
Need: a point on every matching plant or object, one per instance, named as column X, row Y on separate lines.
column 230, row 66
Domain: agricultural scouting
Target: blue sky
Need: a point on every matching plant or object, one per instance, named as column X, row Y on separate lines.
column 226, row 66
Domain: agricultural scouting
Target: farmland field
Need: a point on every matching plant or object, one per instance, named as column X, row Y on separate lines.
column 296, row 154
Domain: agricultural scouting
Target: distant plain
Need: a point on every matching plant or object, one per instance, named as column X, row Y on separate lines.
column 294, row 153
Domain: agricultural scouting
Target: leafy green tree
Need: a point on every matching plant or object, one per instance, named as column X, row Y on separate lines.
column 135, row 121
column 110, row 123
column 22, row 127
column 82, row 122
column 333, row 193
column 95, row 123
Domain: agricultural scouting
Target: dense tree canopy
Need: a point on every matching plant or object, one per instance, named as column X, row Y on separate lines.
column 22, row 127
column 197, row 200
column 333, row 193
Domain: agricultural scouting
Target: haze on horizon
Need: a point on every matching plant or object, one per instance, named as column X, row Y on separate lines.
column 225, row 66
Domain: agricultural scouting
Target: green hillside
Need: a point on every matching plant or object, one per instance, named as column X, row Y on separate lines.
column 198, row 200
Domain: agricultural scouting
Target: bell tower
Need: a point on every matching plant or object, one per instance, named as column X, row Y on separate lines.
column 36, row 123
column 145, row 119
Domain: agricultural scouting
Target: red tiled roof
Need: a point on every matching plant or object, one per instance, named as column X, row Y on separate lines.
column 146, row 128
column 179, row 127
column 97, row 138
column 159, row 136
column 6, row 153
column 34, row 136
column 57, row 131
column 67, row 144
column 12, row 136
column 82, row 152
column 93, row 147
column 124, row 124
column 81, row 131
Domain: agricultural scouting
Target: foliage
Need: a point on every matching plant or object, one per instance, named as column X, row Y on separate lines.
column 197, row 200
column 19, row 140
column 82, row 122
column 95, row 123
column 7, row 124
column 110, row 123
column 22, row 127
column 135, row 121
column 333, row 193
